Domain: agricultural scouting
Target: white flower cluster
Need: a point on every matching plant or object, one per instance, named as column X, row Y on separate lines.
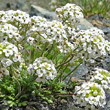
column 44, row 68
column 48, row 31
column 44, row 31
column 101, row 77
column 70, row 14
column 89, row 95
column 39, row 25
column 8, row 54
column 8, row 31
column 91, row 44
column 18, row 17
column 55, row 32
column 37, row 21
column 65, row 46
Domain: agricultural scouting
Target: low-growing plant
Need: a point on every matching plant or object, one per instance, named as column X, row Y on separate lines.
column 40, row 57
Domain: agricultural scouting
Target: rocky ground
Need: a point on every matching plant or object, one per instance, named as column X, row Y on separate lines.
column 23, row 5
column 39, row 7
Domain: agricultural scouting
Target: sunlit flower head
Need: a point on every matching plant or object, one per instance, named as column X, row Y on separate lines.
column 91, row 94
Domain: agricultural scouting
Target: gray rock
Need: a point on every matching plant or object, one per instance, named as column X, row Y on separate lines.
column 23, row 5
column 84, row 24
column 18, row 108
column 4, row 107
column 81, row 72
column 106, row 30
column 95, row 17
column 39, row 11
column 108, row 37
column 106, row 63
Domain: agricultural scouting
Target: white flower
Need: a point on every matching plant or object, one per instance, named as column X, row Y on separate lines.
column 4, row 71
column 90, row 107
column 41, row 79
column 94, row 100
column 36, row 64
column 49, row 75
column 0, row 52
column 8, row 52
column 105, row 84
column 30, row 40
column 17, row 57
column 41, row 72
column 81, row 101
column 6, row 62
column 79, row 15
column 30, row 69
column 10, row 46
column 17, row 37
column 46, row 66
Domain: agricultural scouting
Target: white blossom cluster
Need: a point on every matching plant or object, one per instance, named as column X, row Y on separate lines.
column 65, row 46
column 44, row 68
column 37, row 21
column 18, row 17
column 39, row 25
column 8, row 31
column 47, row 31
column 9, row 54
column 101, row 77
column 52, row 32
column 89, row 95
column 91, row 44
column 55, row 32
column 70, row 14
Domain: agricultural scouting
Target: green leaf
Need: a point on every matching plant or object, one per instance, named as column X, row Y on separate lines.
column 10, row 97
column 2, row 96
column 50, row 101
column 67, row 70
column 24, row 103
column 11, row 103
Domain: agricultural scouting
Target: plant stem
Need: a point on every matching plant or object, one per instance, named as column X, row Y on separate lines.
column 62, row 94
column 72, row 74
column 24, row 88
column 19, row 88
column 30, row 55
column 63, row 70
column 50, row 50
column 55, row 56
column 45, row 46
column 61, row 73
column 71, row 71
column 64, row 62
